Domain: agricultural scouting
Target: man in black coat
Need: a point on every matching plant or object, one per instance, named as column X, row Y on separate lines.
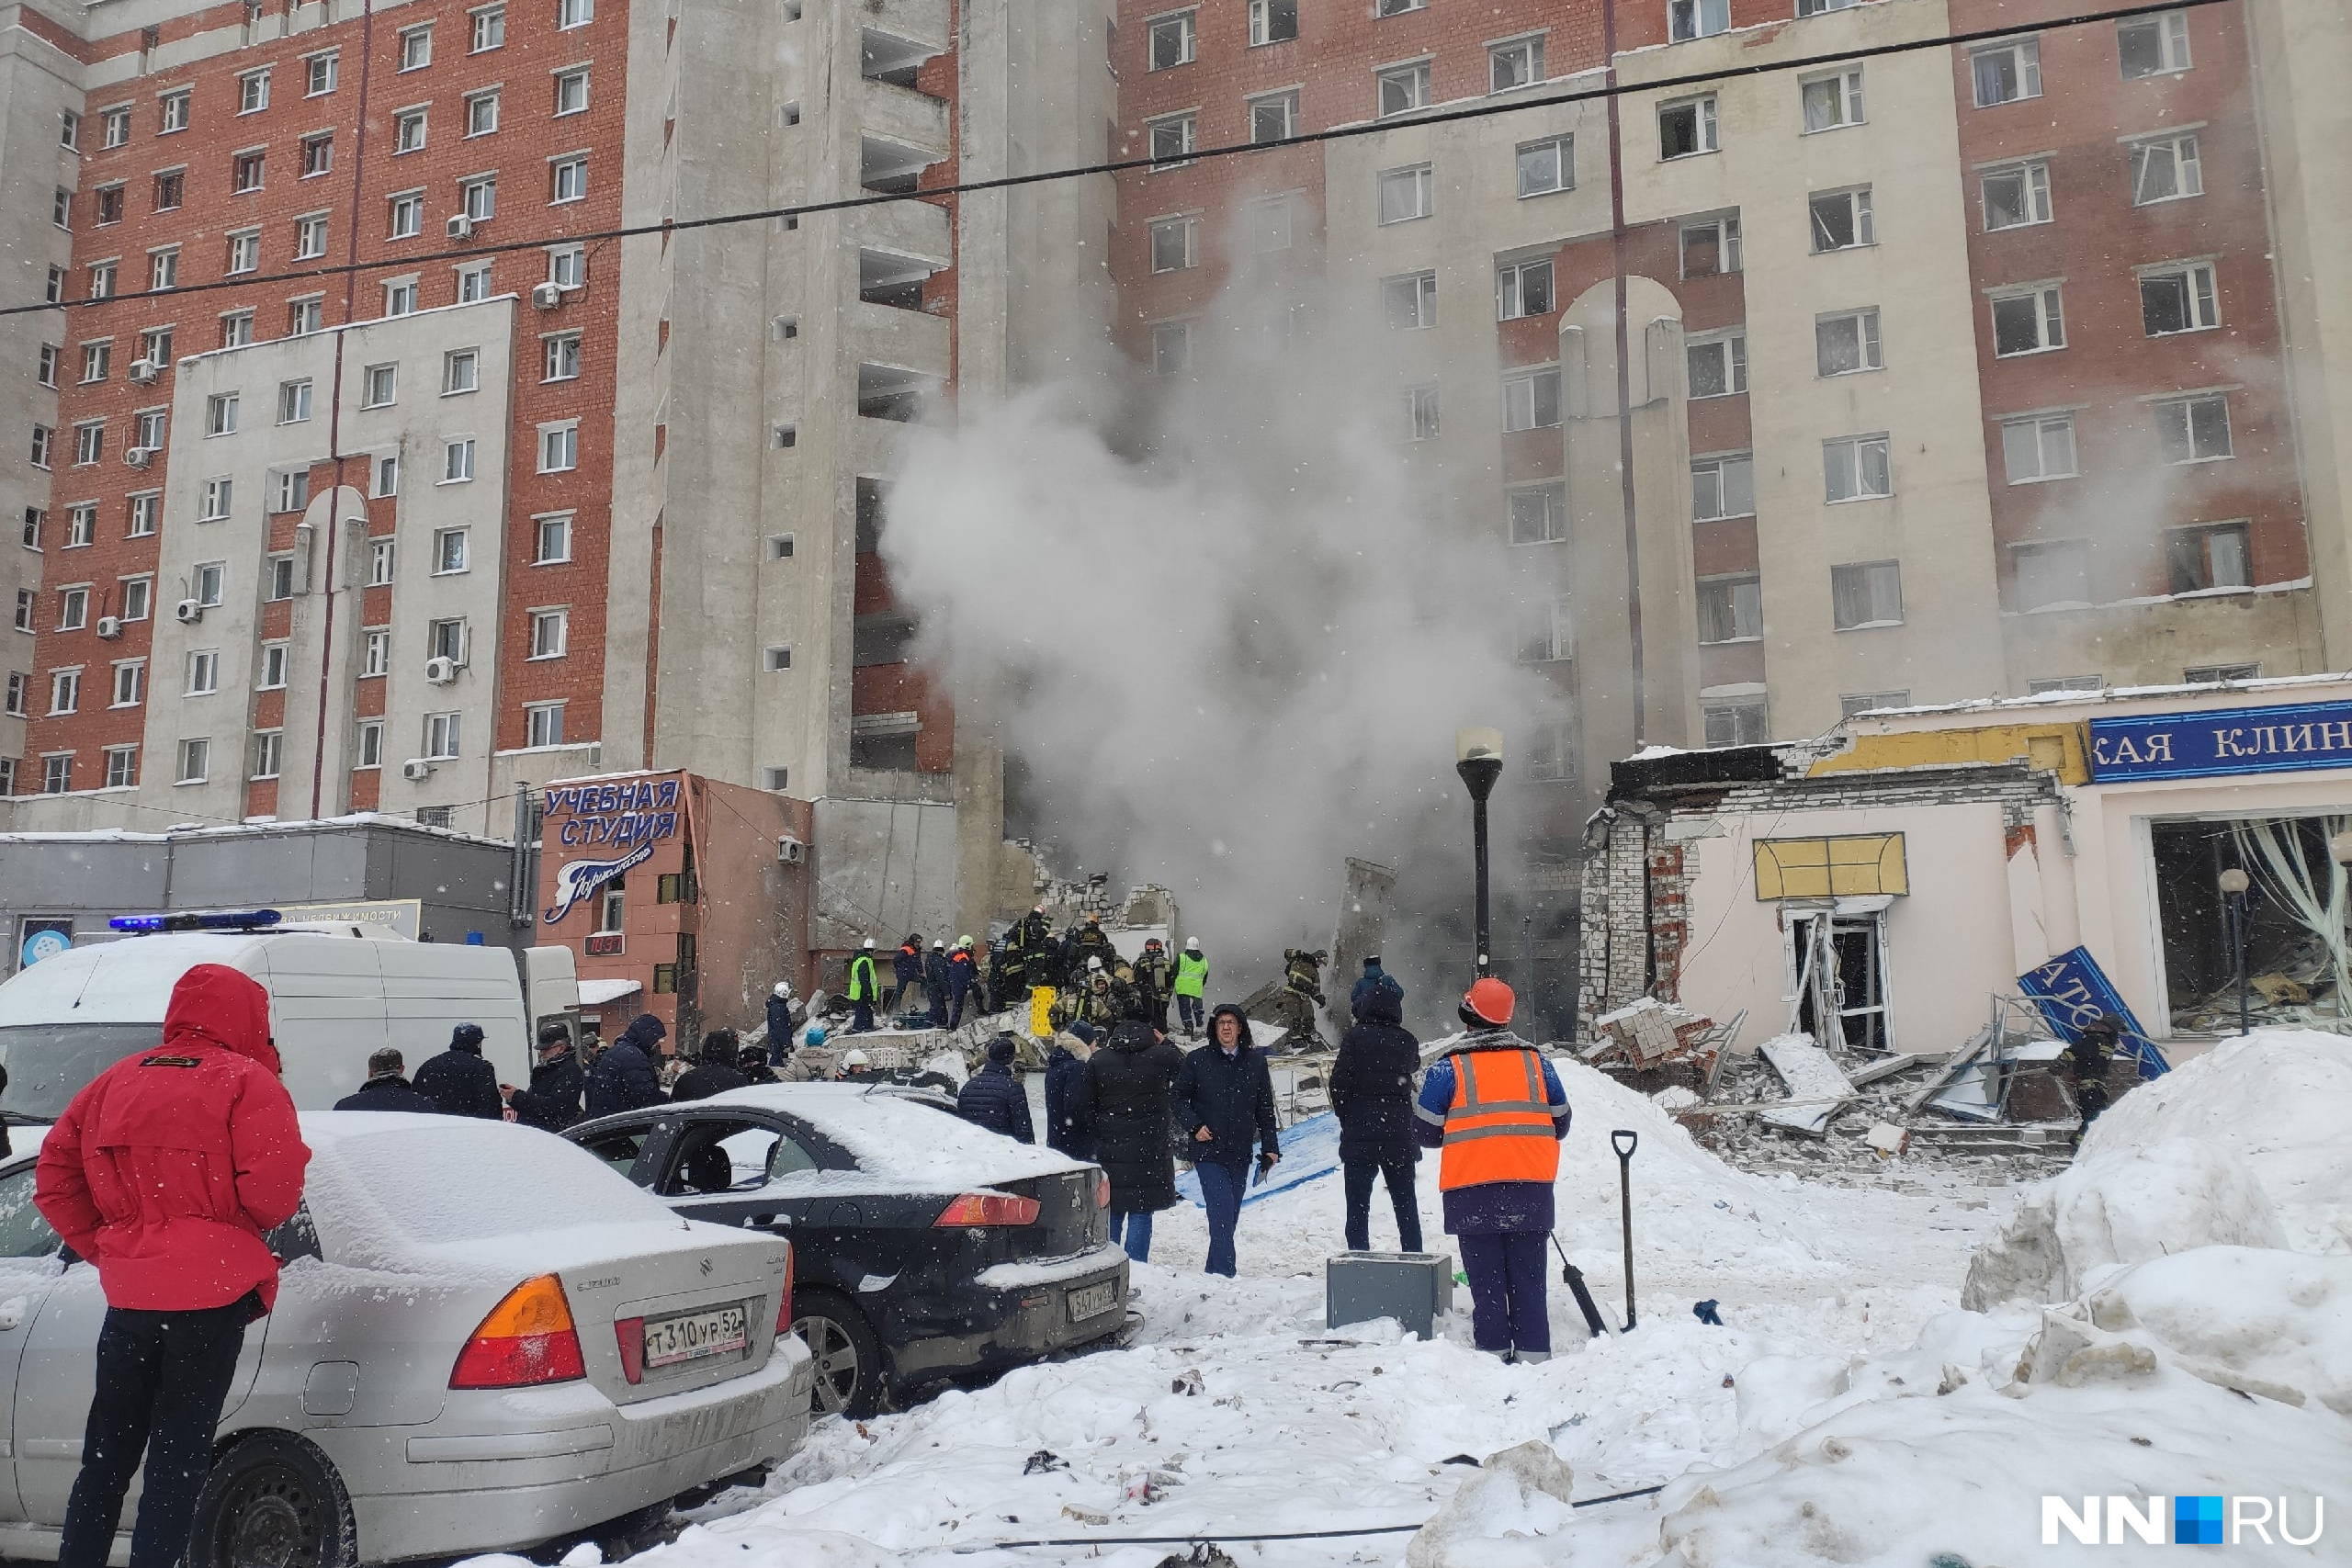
column 553, row 1102
column 458, row 1080
column 1224, row 1098
column 386, row 1089
column 1371, row 1094
column 623, row 1077
column 1125, row 1102
column 935, row 983
column 1066, row 1124
column 993, row 1097
column 713, row 1072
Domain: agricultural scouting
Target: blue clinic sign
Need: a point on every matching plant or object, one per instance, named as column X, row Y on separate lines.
column 2225, row 740
column 2071, row 991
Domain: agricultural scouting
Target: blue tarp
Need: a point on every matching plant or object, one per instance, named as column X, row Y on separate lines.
column 1310, row 1148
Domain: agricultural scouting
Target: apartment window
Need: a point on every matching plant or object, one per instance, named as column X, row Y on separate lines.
column 481, row 113
column 1406, row 194
column 1411, row 301
column 61, row 208
column 171, row 189
column 473, row 283
column 130, row 683
column 2153, row 46
column 1274, row 116
column 376, row 654
column 267, row 746
column 31, row 535
column 305, row 316
column 138, row 597
column 441, row 735
column 570, row 180
column 571, row 14
column 449, row 552
column 1546, row 633
column 1841, row 221
column 2038, row 447
column 2179, row 300
column 1688, row 20
column 560, row 360
column 310, row 237
column 318, row 155
column 246, row 172
column 253, row 91
column 2017, row 196
column 72, row 609
column 1855, row 469
column 2006, row 72
column 481, row 195
column 82, row 526
column 1738, row 723
column 2165, row 168
column 123, row 766
column 1832, row 103
column 69, row 130
column 568, row 266
column 220, row 414
column 1172, row 348
column 1171, row 40
column 1718, row 366
column 2211, row 556
column 57, row 772
column 289, row 490
column 245, row 251
column 2219, row 674
column 1403, row 88
column 409, row 131
column 2194, row 430
column 1846, row 343
column 12, row 701
column 114, row 126
column 446, row 639
column 559, row 448
column 1523, row 288
column 407, row 215
column 543, row 724
column 554, row 540
column 45, row 368
column 1519, row 63
column 106, row 204
column 549, row 628
column 1531, row 401
column 379, row 386
column 457, row 460
column 1854, row 703
column 1171, row 139
column 388, row 476
column 203, row 673
column 294, row 401
column 367, row 743
column 102, row 280
column 1867, row 595
column 1722, row 487
column 1731, row 609
column 44, row 439
column 1272, row 21
column 172, row 111
column 1420, row 413
column 320, row 74
column 460, row 371
column 1175, row 243
column 2030, row 322
column 89, row 443
column 281, row 579
column 1547, row 165
column 1539, row 514
column 488, row 28
column 572, row 91
column 97, row 359
column 1396, row 7
column 65, row 691
column 273, row 667
column 1687, row 129
column 25, row 600
column 146, row 512
column 416, row 47
column 211, row 580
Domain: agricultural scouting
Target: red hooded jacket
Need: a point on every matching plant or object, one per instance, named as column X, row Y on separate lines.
column 168, row 1168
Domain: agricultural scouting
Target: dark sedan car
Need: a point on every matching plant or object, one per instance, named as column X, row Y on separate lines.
column 924, row 1247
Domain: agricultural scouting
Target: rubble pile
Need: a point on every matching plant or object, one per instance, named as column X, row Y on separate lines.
column 2297, row 992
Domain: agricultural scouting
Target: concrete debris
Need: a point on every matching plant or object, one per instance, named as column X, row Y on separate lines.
column 1647, row 1030
column 1887, row 1138
column 1817, row 1089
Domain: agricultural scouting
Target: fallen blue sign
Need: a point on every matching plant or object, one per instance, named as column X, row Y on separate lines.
column 2225, row 740
column 2073, row 991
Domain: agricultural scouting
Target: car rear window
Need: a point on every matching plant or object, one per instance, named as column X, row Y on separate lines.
column 477, row 1181
column 49, row 1063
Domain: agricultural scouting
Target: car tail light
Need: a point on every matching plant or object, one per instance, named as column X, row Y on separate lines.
column 784, row 1302
column 1102, row 1191
column 630, row 1333
column 987, row 1209
column 527, row 1338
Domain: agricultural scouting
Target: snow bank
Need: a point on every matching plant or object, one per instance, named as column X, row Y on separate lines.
column 2280, row 1322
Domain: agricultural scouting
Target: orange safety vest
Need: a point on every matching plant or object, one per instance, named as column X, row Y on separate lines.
column 1499, row 1127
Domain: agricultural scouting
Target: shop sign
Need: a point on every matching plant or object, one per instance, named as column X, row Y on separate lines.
column 624, row 818
column 2071, row 991
column 2287, row 738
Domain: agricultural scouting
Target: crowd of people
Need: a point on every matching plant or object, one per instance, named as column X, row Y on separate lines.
column 1076, row 976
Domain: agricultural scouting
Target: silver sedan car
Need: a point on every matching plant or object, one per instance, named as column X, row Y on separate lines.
column 484, row 1339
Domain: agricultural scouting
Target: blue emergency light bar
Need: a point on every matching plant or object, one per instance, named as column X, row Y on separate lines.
column 211, row 920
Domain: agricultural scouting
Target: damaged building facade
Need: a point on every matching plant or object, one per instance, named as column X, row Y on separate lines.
column 1880, row 887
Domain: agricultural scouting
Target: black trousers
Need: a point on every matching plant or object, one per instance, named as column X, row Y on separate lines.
column 162, row 1377
column 1358, row 1174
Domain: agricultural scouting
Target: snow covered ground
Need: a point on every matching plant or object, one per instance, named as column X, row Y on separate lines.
column 1847, row 1412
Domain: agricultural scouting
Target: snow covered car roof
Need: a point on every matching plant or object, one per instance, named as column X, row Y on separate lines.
column 904, row 1139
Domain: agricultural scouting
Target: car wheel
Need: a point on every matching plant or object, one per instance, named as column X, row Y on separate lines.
column 848, row 1357
column 273, row 1501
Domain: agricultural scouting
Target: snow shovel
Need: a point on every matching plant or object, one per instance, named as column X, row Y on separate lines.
column 1573, row 1278
column 1623, row 1141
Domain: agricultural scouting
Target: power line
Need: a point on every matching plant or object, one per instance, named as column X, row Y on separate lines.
column 1126, row 165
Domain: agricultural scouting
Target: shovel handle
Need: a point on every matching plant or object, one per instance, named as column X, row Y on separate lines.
column 1623, row 1140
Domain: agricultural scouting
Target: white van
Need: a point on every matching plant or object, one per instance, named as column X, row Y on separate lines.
column 336, row 994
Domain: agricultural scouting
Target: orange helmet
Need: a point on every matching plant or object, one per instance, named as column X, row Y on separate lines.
column 1489, row 1002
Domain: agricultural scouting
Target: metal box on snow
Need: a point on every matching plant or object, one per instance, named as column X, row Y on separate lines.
column 1412, row 1287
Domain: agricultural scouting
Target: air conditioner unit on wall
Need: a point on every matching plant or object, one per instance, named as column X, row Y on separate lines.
column 416, row 770
column 440, row 671
column 145, row 371
column 110, row 627
column 790, row 850
column 461, row 227
column 547, row 296
column 140, row 456
column 187, row 612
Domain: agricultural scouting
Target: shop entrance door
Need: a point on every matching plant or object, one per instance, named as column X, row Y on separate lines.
column 1838, row 959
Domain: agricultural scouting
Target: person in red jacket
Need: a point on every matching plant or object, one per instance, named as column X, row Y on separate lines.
column 165, row 1172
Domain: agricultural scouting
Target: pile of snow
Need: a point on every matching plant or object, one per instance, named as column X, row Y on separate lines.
column 2240, row 1147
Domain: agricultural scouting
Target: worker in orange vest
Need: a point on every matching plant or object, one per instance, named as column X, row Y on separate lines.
column 1496, row 1109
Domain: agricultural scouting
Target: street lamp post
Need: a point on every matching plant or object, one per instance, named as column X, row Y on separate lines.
column 2233, row 885
column 1478, row 757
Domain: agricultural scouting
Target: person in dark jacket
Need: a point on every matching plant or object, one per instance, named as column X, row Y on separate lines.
column 751, row 1061
column 1224, row 1098
column 963, row 974
column 713, row 1072
column 623, row 1077
column 1373, row 974
column 1125, row 1104
column 935, row 983
column 1371, row 1094
column 458, row 1080
column 386, row 1089
column 1066, row 1124
column 785, row 1014
column 553, row 1102
column 906, row 974
column 993, row 1097
column 1155, row 974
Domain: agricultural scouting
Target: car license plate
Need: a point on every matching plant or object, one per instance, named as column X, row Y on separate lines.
column 691, row 1335
column 1094, row 1301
